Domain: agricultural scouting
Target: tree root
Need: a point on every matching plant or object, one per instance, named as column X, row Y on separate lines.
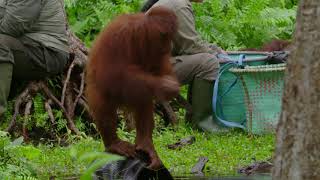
column 47, row 106
column 27, row 112
column 80, row 93
column 22, row 98
column 26, row 96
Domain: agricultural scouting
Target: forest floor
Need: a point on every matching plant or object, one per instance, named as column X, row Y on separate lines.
column 226, row 153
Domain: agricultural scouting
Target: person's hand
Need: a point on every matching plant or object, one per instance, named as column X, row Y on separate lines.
column 219, row 50
column 223, row 57
column 223, row 52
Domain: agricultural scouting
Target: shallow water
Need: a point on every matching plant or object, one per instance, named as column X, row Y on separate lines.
column 252, row 177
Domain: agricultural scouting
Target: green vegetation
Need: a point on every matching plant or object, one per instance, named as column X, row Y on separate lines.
column 226, row 152
column 237, row 24
column 19, row 160
column 88, row 17
column 232, row 24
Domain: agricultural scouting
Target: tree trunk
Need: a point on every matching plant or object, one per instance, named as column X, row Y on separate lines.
column 297, row 153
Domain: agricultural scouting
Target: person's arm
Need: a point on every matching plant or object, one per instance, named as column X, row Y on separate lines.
column 19, row 16
column 191, row 41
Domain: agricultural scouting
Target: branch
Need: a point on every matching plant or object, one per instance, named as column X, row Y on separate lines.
column 66, row 82
column 23, row 97
column 27, row 112
column 80, row 93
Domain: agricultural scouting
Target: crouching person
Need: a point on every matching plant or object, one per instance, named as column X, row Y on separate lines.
column 194, row 61
column 33, row 42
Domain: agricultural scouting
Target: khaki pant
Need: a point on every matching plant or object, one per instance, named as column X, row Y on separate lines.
column 199, row 71
column 188, row 67
column 25, row 59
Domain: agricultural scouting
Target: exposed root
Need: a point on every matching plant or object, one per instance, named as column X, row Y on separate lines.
column 79, row 94
column 72, row 99
column 22, row 98
column 71, row 124
column 129, row 120
column 27, row 112
column 47, row 106
column 78, row 58
column 66, row 82
column 83, row 104
column 169, row 113
column 71, row 95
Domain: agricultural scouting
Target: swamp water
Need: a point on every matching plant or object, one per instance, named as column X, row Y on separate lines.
column 251, row 177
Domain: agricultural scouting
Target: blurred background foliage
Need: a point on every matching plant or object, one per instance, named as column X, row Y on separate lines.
column 232, row 24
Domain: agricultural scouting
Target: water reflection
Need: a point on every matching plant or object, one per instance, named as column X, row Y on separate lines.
column 253, row 177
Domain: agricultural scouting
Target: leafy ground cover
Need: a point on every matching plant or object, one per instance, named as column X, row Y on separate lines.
column 226, row 152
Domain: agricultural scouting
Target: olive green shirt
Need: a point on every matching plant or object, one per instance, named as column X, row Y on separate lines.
column 187, row 40
column 41, row 20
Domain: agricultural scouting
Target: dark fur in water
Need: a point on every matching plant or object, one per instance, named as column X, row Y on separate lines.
column 132, row 169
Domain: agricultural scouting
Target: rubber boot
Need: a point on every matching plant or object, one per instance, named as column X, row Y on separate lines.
column 188, row 114
column 202, row 112
column 5, row 83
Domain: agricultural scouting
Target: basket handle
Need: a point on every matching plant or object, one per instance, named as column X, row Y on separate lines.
column 224, row 68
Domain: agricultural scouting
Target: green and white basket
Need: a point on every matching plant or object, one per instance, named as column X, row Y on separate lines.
column 263, row 88
column 250, row 95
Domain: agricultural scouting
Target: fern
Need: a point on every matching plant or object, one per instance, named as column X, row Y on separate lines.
column 61, row 122
column 12, row 167
column 235, row 24
column 87, row 18
column 79, row 124
column 40, row 116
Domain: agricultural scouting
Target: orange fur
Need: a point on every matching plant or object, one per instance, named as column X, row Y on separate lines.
column 274, row 45
column 128, row 67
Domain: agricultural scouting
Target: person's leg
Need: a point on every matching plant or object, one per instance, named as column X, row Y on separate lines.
column 199, row 71
column 189, row 67
column 16, row 63
column 42, row 61
column 26, row 60
column 5, row 82
column 7, row 45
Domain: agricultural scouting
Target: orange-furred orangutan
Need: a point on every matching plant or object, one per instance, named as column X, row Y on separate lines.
column 128, row 68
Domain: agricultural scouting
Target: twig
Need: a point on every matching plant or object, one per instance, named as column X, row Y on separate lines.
column 66, row 82
column 32, row 87
column 169, row 112
column 47, row 106
column 26, row 117
column 84, row 104
column 72, row 126
column 82, row 96
column 69, row 102
column 79, row 94
column 129, row 120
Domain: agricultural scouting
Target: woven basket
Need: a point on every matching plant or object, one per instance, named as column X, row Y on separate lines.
column 262, row 88
column 232, row 106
